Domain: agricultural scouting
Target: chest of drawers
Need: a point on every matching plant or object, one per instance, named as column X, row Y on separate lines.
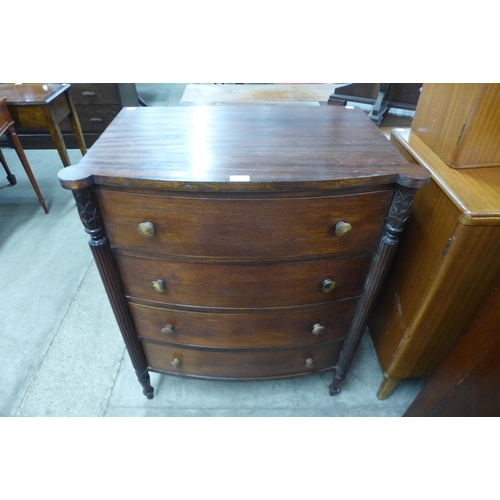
column 242, row 242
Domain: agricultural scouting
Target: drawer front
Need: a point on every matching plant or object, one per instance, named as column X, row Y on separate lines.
column 91, row 119
column 244, row 330
column 259, row 228
column 242, row 285
column 95, row 94
column 241, row 364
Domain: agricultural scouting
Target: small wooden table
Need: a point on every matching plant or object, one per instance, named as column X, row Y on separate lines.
column 36, row 105
column 7, row 127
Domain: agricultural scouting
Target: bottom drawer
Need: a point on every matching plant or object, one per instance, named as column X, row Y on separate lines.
column 251, row 364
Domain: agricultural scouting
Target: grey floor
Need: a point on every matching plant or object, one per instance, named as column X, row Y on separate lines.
column 61, row 351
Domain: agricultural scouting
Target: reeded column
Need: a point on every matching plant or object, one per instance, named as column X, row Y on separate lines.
column 103, row 256
column 399, row 212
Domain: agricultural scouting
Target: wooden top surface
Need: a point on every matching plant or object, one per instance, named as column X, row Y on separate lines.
column 31, row 93
column 242, row 148
column 474, row 191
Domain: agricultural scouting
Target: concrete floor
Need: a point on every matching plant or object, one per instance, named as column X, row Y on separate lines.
column 61, row 350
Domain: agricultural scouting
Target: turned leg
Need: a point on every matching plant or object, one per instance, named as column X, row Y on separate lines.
column 398, row 214
column 10, row 176
column 103, row 257
column 387, row 386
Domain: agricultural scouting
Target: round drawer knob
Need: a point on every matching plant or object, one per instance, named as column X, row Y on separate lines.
column 309, row 363
column 176, row 363
column 342, row 228
column 318, row 329
column 329, row 286
column 146, row 229
column 158, row 286
column 167, row 330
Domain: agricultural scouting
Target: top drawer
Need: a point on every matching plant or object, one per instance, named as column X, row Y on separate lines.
column 95, row 94
column 242, row 227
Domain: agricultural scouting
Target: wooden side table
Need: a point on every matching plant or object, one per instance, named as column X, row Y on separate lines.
column 449, row 261
column 7, row 127
column 36, row 105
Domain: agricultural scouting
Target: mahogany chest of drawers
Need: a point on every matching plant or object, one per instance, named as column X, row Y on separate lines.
column 242, row 242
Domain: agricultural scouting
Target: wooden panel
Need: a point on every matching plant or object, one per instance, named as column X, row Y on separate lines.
column 467, row 382
column 480, row 144
column 464, row 278
column 432, row 221
column 442, row 110
column 261, row 284
column 230, row 227
column 275, row 327
column 241, row 364
column 460, row 123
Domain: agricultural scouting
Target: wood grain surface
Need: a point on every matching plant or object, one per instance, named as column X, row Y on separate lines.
column 236, row 329
column 251, row 228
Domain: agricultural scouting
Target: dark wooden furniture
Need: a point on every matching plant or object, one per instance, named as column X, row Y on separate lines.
column 460, row 122
column 467, row 382
column 96, row 105
column 382, row 96
column 36, row 105
column 7, row 127
column 451, row 262
column 242, row 242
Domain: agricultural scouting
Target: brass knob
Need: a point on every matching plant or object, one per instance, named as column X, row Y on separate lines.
column 146, row 229
column 329, row 286
column 309, row 363
column 158, row 286
column 342, row 228
column 318, row 329
column 167, row 330
column 176, row 362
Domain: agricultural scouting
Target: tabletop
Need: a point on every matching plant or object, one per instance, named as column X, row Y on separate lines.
column 474, row 191
column 270, row 147
column 31, row 93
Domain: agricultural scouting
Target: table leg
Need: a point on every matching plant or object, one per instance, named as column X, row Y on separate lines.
column 10, row 176
column 56, row 134
column 24, row 161
column 75, row 125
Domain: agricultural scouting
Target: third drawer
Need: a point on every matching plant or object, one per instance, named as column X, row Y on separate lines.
column 272, row 328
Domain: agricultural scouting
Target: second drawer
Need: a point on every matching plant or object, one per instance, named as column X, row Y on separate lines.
column 242, row 285
column 244, row 330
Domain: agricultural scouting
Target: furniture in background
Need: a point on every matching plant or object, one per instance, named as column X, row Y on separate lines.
column 43, row 106
column 467, row 382
column 7, row 127
column 449, row 261
column 460, row 122
column 382, row 96
column 96, row 104
column 241, row 242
